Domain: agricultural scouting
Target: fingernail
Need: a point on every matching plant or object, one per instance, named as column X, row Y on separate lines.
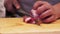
column 18, row 7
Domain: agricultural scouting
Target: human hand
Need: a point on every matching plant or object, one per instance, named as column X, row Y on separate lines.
column 11, row 5
column 45, row 11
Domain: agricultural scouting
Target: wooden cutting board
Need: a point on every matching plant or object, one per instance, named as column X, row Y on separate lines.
column 17, row 26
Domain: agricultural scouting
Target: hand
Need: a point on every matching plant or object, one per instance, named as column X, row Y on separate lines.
column 11, row 5
column 45, row 11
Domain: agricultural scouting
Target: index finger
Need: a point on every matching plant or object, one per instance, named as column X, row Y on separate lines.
column 37, row 4
column 16, row 4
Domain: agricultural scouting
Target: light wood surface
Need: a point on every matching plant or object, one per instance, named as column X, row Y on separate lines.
column 16, row 26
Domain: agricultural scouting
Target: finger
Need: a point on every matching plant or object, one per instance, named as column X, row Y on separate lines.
column 43, row 8
column 37, row 4
column 46, row 13
column 51, row 19
column 16, row 4
column 8, row 6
